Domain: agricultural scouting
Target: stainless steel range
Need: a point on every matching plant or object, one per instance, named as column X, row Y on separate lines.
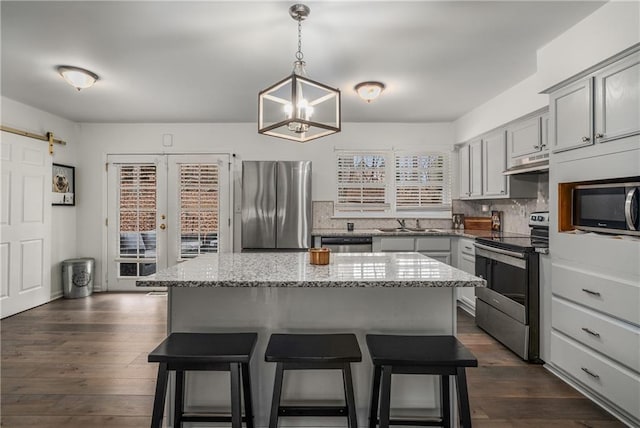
column 508, row 308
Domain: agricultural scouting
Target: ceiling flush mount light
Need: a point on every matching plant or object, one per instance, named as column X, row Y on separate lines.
column 369, row 91
column 77, row 77
column 298, row 108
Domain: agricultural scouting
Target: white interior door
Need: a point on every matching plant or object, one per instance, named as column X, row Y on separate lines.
column 163, row 209
column 25, row 218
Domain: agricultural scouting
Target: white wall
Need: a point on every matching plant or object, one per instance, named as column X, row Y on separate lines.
column 63, row 220
column 241, row 139
column 609, row 30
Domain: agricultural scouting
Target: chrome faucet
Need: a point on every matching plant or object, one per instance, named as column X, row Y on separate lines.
column 401, row 223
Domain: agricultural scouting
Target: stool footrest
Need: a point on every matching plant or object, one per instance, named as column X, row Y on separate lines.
column 312, row 411
column 207, row 418
column 433, row 422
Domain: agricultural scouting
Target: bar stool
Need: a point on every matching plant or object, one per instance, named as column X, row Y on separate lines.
column 182, row 352
column 425, row 355
column 313, row 352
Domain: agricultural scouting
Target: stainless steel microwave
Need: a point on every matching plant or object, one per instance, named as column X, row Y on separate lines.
column 609, row 208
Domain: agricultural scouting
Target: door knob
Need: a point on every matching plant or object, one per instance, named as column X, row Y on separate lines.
column 162, row 226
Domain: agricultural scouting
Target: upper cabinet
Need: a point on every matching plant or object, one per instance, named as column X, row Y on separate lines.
column 618, row 100
column 571, row 110
column 482, row 162
column 602, row 107
column 475, row 168
column 494, row 162
column 528, row 137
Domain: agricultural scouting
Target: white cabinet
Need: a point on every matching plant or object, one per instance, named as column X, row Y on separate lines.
column 464, row 168
column 528, row 137
column 602, row 107
column 494, row 162
column 571, row 110
column 482, row 162
column 466, row 261
column 595, row 334
column 437, row 247
column 618, row 100
column 475, row 168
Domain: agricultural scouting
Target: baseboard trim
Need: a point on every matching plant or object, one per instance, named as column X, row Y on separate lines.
column 471, row 310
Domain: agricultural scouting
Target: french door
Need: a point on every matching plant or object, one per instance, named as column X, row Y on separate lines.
column 164, row 209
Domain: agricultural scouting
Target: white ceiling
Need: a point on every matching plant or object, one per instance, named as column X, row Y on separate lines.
column 206, row 61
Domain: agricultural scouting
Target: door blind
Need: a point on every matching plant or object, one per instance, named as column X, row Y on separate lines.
column 362, row 182
column 137, row 219
column 199, row 209
column 423, row 181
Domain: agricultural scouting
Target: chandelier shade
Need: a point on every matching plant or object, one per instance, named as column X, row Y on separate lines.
column 298, row 108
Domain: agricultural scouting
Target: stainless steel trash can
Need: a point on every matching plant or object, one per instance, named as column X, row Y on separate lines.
column 77, row 277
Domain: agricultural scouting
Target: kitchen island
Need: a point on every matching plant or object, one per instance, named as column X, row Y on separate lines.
column 393, row 293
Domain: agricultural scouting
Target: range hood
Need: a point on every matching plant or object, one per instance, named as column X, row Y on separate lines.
column 531, row 164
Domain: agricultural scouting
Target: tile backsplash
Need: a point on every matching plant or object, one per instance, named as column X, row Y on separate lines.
column 515, row 213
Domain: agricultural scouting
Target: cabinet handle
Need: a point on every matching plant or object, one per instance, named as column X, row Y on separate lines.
column 599, row 135
column 585, row 139
column 591, row 332
column 590, row 373
column 468, row 248
column 593, row 293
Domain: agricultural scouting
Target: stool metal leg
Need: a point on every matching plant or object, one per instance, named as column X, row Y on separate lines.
column 463, row 398
column 445, row 403
column 375, row 397
column 178, row 407
column 161, row 392
column 349, row 396
column 248, row 402
column 385, row 397
column 277, row 391
column 236, row 409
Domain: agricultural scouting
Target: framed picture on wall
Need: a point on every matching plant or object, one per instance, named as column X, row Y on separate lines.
column 63, row 182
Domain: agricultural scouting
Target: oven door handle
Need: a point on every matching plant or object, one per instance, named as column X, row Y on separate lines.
column 628, row 203
column 499, row 251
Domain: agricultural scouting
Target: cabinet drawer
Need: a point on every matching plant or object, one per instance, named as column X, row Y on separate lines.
column 607, row 294
column 433, row 244
column 613, row 338
column 467, row 247
column 615, row 383
column 397, row 244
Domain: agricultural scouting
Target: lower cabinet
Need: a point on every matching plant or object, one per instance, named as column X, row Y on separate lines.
column 436, row 247
column 595, row 335
column 466, row 261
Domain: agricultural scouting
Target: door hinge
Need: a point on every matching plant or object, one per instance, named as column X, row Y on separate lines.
column 229, row 166
column 106, row 222
column 229, row 222
column 106, row 166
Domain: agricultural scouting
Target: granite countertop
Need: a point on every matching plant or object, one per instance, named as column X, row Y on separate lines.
column 464, row 233
column 283, row 269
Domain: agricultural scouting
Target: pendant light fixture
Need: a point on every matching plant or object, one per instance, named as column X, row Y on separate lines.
column 298, row 108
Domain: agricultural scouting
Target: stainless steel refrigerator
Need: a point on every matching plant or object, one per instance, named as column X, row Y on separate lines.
column 276, row 205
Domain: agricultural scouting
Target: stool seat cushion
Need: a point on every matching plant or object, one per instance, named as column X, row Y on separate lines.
column 434, row 351
column 205, row 348
column 313, row 348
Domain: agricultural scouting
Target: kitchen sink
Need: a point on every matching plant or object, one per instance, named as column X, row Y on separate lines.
column 406, row 229
column 395, row 229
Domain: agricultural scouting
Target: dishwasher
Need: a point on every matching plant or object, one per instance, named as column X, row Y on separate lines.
column 347, row 244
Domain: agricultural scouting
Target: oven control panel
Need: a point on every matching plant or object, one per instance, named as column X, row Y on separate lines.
column 539, row 218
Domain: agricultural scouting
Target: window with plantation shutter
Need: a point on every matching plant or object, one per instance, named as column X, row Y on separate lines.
column 362, row 181
column 199, row 211
column 422, row 181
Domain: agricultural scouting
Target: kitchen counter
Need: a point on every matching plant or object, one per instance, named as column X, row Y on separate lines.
column 464, row 233
column 282, row 269
column 377, row 293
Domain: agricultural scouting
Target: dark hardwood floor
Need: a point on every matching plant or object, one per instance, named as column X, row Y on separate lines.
column 82, row 363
